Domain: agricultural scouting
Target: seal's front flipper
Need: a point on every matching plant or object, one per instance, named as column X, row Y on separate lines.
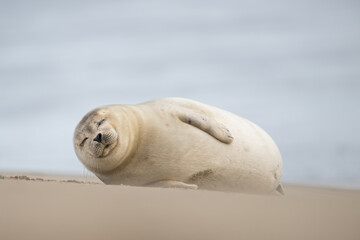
column 172, row 184
column 208, row 125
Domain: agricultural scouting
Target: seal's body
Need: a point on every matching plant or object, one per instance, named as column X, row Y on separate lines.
column 174, row 142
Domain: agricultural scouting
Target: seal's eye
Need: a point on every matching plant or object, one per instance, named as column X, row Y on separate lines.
column 101, row 122
column 83, row 142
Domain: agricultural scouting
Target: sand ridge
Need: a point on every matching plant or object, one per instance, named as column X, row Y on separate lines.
column 40, row 179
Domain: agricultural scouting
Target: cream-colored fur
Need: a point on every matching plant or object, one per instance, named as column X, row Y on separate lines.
column 174, row 142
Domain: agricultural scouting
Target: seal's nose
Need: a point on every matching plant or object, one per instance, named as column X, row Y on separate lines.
column 98, row 138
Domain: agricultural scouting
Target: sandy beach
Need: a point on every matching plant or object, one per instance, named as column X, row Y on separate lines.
column 74, row 207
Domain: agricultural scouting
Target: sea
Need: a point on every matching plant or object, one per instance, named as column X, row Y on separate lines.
column 292, row 67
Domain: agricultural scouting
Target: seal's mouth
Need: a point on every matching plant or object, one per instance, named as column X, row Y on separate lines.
column 107, row 149
column 103, row 143
column 101, row 150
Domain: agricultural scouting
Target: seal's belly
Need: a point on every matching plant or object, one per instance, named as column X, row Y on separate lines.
column 184, row 153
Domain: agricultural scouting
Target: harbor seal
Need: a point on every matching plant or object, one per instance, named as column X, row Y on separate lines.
column 181, row 143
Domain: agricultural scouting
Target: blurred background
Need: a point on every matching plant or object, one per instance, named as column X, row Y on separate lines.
column 292, row 67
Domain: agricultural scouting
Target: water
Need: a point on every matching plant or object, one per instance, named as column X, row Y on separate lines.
column 291, row 67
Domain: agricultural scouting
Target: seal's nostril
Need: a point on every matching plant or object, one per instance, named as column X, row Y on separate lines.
column 98, row 138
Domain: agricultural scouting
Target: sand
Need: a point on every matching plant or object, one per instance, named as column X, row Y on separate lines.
column 70, row 207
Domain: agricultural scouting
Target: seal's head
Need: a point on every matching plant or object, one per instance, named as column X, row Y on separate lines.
column 96, row 139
